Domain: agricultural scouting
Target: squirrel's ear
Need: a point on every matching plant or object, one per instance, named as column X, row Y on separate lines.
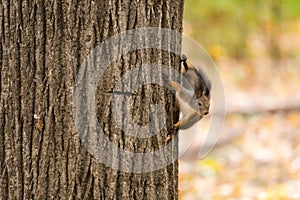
column 206, row 92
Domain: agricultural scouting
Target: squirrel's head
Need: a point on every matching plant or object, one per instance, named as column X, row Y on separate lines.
column 203, row 103
column 202, row 87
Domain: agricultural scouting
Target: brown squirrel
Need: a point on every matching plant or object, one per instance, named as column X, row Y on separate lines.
column 194, row 102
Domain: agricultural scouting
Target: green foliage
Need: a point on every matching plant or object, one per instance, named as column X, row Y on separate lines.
column 229, row 23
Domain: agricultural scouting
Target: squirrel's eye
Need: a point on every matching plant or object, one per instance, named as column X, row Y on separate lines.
column 200, row 103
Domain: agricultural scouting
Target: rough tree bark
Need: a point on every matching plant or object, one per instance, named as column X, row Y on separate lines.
column 42, row 45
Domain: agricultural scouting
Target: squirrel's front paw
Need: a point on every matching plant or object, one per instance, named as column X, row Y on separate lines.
column 176, row 126
column 183, row 57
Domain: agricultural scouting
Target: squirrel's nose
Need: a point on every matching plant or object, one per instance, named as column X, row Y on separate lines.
column 206, row 113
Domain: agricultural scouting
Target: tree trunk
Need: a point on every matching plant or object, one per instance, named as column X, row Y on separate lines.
column 43, row 155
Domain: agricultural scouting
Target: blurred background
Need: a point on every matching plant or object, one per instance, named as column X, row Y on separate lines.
column 256, row 47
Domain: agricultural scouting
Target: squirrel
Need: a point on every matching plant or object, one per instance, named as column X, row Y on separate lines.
column 194, row 103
